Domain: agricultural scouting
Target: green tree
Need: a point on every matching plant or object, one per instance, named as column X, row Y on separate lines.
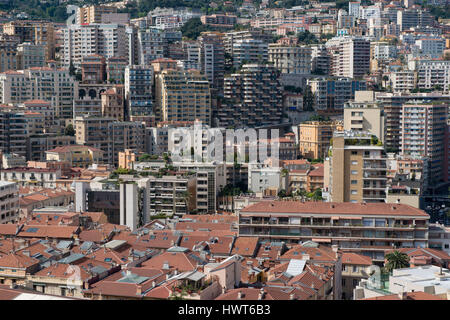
column 396, row 260
column 69, row 130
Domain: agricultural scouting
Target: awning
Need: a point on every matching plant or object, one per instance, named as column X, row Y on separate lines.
column 335, row 218
column 351, row 218
column 321, row 240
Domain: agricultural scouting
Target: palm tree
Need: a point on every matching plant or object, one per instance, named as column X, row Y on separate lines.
column 396, row 260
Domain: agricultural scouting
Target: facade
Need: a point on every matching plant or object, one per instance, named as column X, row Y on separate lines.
column 403, row 80
column 352, row 58
column 113, row 103
column 93, row 69
column 212, row 58
column 290, row 59
column 364, row 116
column 253, row 97
column 183, row 96
column 9, row 198
column 357, row 168
column 249, row 51
column 138, row 90
column 434, row 74
column 30, row 55
column 36, row 32
column 314, row 138
column 77, row 156
column 219, row 20
column 332, row 94
column 370, row 229
column 45, row 83
column 107, row 40
column 93, row 14
column 423, row 131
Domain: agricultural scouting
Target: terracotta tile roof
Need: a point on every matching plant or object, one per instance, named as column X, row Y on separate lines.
column 18, row 261
column 355, row 259
column 176, row 260
column 246, row 246
column 335, row 208
column 202, row 225
column 433, row 253
column 321, row 253
column 270, row 293
column 70, row 148
column 317, row 172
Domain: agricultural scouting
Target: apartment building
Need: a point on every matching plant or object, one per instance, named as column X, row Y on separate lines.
column 173, row 195
column 365, row 116
column 212, row 58
column 290, row 59
column 13, row 133
column 320, row 60
column 434, row 74
column 183, row 95
column 112, row 103
column 351, row 58
column 370, row 229
column 125, row 135
column 249, row 51
column 93, row 14
column 231, row 37
column 9, row 202
column 315, row 137
column 393, row 103
column 77, row 156
column 115, row 69
column 36, row 32
column 423, row 129
column 107, row 40
column 138, row 91
column 219, row 20
column 151, row 45
column 332, row 94
column 408, row 18
column 31, row 176
column 403, row 80
column 45, row 83
column 253, row 97
column 93, row 69
column 30, row 55
column 430, row 47
column 357, row 168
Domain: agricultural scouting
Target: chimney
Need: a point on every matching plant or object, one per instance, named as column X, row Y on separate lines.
column 139, row 290
column 224, row 290
column 292, row 296
column 261, row 294
column 402, row 295
column 239, row 296
column 153, row 284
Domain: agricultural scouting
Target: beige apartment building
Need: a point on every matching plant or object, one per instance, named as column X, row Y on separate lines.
column 314, row 138
column 93, row 14
column 291, row 59
column 364, row 114
column 36, row 32
column 113, row 103
column 183, row 96
column 357, row 168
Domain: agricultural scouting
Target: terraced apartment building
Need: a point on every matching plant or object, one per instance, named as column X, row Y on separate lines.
column 366, row 228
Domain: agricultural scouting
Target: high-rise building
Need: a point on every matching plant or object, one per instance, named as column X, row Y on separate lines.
column 36, row 32
column 434, row 74
column 107, row 40
column 45, row 83
column 138, row 91
column 423, row 130
column 249, row 51
column 212, row 58
column 357, row 168
column 93, row 69
column 115, row 69
column 183, row 96
column 93, row 14
column 290, row 59
column 392, row 104
column 113, row 103
column 30, row 55
column 253, row 97
column 332, row 94
column 351, row 58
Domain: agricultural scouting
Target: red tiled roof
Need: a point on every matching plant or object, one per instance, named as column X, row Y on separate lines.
column 335, row 208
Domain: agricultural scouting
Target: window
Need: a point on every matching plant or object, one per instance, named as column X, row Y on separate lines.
column 354, row 191
column 354, row 181
column 355, row 282
column 354, row 163
column 354, row 172
column 355, row 269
